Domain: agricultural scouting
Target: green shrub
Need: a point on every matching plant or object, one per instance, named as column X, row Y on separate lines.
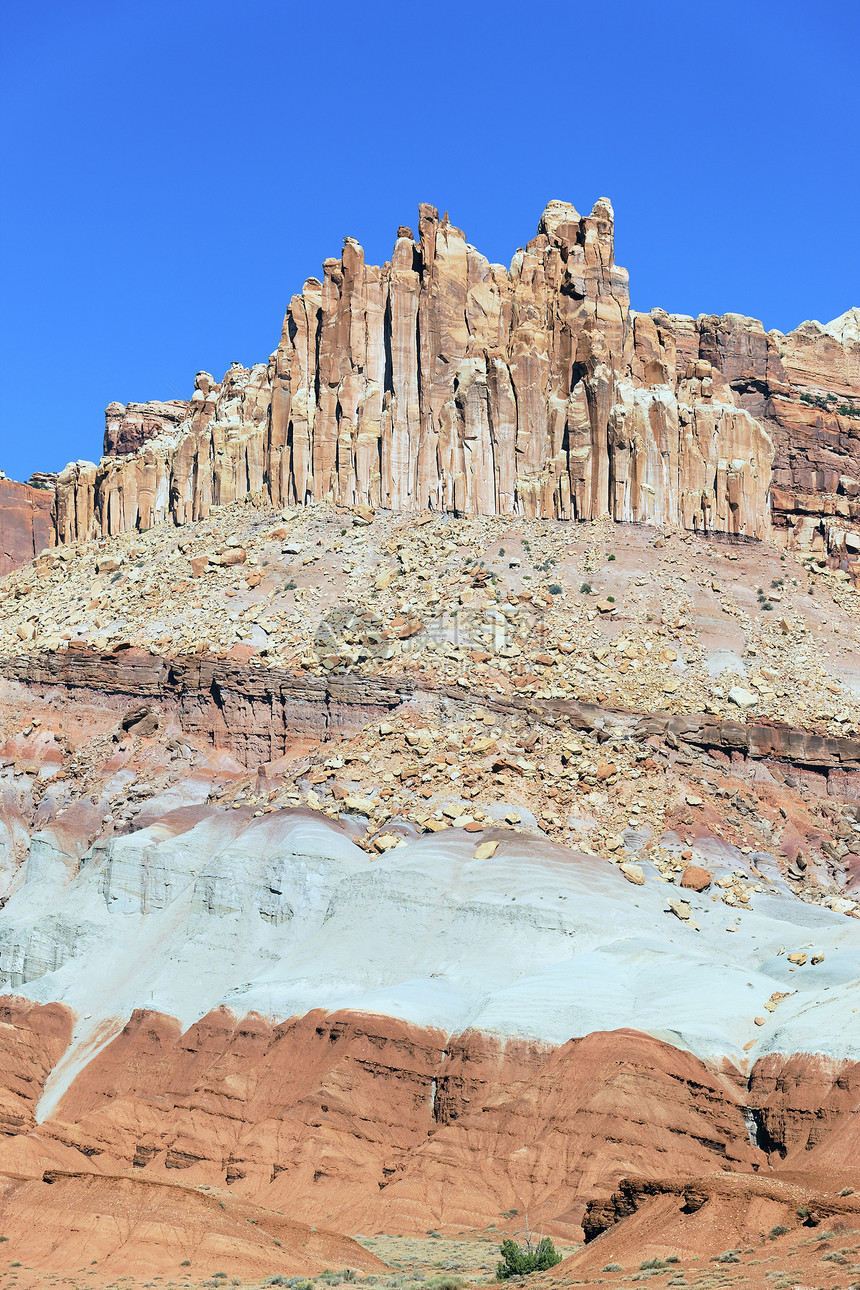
column 555, row 589
column 779, row 1230
column 612, row 1267
column 647, row 1264
column 519, row 1261
column 586, row 589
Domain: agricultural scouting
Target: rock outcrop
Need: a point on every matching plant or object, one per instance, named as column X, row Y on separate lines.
column 26, row 525
column 257, row 712
column 440, row 380
column 128, row 426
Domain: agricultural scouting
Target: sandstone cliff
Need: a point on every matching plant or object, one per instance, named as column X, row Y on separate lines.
column 440, row 380
column 26, row 526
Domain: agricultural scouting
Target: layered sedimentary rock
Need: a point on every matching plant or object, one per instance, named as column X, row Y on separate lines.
column 440, row 380
column 257, row 712
column 26, row 525
column 130, row 425
column 804, row 388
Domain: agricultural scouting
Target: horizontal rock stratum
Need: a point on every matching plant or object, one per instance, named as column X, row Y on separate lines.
column 443, row 381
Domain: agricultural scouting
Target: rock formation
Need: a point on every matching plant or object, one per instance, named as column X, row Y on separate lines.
column 440, row 380
column 408, row 858
column 26, row 525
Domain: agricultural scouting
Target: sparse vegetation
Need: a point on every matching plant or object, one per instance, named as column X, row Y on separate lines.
column 521, row 1260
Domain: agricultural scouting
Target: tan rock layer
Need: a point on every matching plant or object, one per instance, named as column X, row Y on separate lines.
column 440, row 380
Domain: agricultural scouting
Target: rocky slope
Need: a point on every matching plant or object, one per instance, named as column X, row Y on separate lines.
column 378, row 850
column 322, row 895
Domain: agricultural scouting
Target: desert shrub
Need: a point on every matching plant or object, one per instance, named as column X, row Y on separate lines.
column 555, row 589
column 519, row 1261
column 727, row 1256
column 586, row 589
column 445, row 1283
column 612, row 1267
column 647, row 1264
column 779, row 1230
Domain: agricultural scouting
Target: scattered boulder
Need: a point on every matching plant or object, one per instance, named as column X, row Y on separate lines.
column 695, row 878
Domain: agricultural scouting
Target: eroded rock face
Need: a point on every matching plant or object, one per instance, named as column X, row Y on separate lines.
column 364, row 1117
column 26, row 526
column 804, row 388
column 443, row 381
column 129, row 426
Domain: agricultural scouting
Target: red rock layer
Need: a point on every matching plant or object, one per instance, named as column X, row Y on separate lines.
column 703, row 1218
column 26, row 524
column 104, row 1227
column 257, row 713
column 385, row 1126
column 33, row 1038
column 382, row 1125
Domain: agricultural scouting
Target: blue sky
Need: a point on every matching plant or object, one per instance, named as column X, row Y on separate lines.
column 173, row 171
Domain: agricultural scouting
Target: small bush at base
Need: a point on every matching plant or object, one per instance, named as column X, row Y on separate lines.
column 779, row 1230
column 519, row 1262
column 612, row 1267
